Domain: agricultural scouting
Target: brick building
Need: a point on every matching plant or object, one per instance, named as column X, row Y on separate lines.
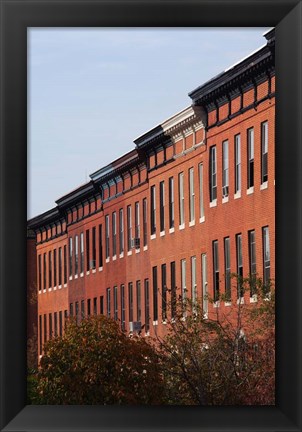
column 191, row 204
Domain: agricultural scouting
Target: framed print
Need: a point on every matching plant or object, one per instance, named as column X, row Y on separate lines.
column 16, row 18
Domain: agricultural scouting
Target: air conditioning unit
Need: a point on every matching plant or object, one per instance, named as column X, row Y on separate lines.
column 135, row 243
column 225, row 191
column 92, row 264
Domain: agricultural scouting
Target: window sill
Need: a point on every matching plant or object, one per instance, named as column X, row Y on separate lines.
column 70, row 277
column 162, row 233
column 129, row 253
column 49, row 289
column 155, row 323
column 264, row 185
column 164, row 322
column 145, row 248
column 202, row 219
column 225, row 200
column 60, row 286
column 76, row 276
column 114, row 258
column 216, row 304
column 44, row 291
column 227, row 303
column 100, row 268
column 93, row 270
column 213, row 203
column 107, row 260
column 87, row 272
column 181, row 227
column 237, row 195
column 82, row 274
column 192, row 223
column 240, row 301
column 55, row 288
column 153, row 236
column 65, row 285
column 137, row 250
column 39, row 291
column 122, row 255
column 253, row 299
column 171, row 230
column 250, row 191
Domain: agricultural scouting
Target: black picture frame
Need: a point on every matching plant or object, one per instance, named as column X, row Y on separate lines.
column 16, row 17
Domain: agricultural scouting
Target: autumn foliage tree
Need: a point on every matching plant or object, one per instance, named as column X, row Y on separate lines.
column 227, row 357
column 96, row 363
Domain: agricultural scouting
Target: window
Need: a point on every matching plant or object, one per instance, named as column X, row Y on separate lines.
column 225, row 168
column 153, row 210
column 123, row 308
column 138, row 301
column 56, row 323
column 252, row 262
column 183, row 279
column 60, row 266
column 50, row 325
column 264, row 151
column 87, row 250
column 82, row 252
column 65, row 264
column 40, row 272
column 194, row 280
column 100, row 245
column 164, row 291
column 162, row 205
column 145, row 221
column 181, row 199
column 213, row 174
column 82, row 309
column 60, row 324
column 76, row 255
column 121, row 225
column 40, row 334
column 71, row 309
column 114, row 233
column 204, row 280
column 215, row 270
column 240, row 292
column 237, row 164
column 250, row 150
column 130, row 301
column 266, row 256
column 95, row 307
column 45, row 327
column 108, row 302
column 147, row 306
column 115, row 303
column 171, row 202
column 192, row 195
column 227, row 268
column 55, row 267
column 129, row 228
column 50, row 269
column 201, row 204
column 44, row 271
column 137, row 224
column 77, row 314
column 93, row 264
column 70, row 256
column 88, row 307
column 155, row 307
column 107, row 236
column 173, row 289
column 102, row 305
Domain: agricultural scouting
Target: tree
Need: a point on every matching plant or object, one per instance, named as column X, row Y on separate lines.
column 227, row 357
column 96, row 363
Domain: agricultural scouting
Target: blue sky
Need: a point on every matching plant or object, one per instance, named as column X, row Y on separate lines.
column 91, row 92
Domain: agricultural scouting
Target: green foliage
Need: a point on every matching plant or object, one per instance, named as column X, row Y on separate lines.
column 96, row 363
column 226, row 358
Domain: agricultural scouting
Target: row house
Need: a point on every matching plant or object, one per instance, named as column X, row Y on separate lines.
column 191, row 204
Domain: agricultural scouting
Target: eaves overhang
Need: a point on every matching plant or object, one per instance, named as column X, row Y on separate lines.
column 78, row 195
column 261, row 59
column 50, row 216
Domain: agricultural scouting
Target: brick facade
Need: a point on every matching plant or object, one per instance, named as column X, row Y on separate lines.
column 178, row 189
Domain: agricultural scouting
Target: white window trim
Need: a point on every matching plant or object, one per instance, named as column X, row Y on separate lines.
column 55, row 288
column 122, row 255
column 145, row 248
column 202, row 219
column 162, row 233
column 237, row 195
column 82, row 274
column 129, row 253
column 60, row 286
column 192, row 223
column 254, row 298
column 225, row 199
column 76, row 276
column 114, row 258
column 216, row 304
column 137, row 250
column 44, row 290
column 250, row 190
column 70, row 277
column 171, row 230
column 65, row 285
column 153, row 236
column 93, row 270
column 241, row 300
column 264, row 185
column 49, row 289
column 227, row 303
column 213, row 203
column 87, row 272
column 155, row 323
column 108, row 260
column 100, row 268
column 181, row 227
